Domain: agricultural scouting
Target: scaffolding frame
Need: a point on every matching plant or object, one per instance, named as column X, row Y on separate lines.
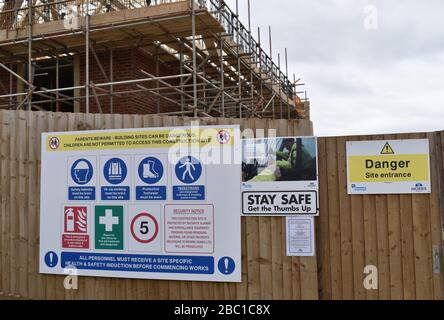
column 223, row 71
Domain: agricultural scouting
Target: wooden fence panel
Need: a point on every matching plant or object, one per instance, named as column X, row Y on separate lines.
column 396, row 233
column 322, row 224
column 435, row 218
column 263, row 249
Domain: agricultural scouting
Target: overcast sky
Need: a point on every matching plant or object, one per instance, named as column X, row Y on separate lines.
column 361, row 80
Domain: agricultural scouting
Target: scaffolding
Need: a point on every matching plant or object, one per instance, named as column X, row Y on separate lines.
column 222, row 70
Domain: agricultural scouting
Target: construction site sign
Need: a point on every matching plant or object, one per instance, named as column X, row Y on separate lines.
column 280, row 177
column 142, row 203
column 388, row 167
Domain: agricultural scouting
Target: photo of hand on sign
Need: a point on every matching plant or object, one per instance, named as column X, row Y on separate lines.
column 279, row 159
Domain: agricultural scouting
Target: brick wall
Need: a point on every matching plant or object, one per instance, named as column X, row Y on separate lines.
column 127, row 65
column 4, row 86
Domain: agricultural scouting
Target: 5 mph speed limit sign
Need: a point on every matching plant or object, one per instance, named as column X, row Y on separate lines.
column 144, row 226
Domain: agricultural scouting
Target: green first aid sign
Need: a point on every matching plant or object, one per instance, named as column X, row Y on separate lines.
column 109, row 227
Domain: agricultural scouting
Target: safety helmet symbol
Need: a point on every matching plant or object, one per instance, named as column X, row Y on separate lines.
column 81, row 171
column 81, row 165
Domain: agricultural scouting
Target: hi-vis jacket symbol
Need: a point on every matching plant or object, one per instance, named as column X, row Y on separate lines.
column 387, row 149
column 76, row 219
column 115, row 171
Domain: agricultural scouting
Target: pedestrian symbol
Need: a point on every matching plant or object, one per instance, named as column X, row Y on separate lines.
column 115, row 171
column 188, row 170
column 81, row 171
column 109, row 227
column 150, row 170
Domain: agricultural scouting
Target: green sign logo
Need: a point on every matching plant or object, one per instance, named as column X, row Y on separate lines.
column 109, row 227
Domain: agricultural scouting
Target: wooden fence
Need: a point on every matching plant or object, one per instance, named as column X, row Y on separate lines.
column 395, row 233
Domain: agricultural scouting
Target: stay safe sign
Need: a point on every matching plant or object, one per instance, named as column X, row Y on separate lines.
column 388, row 167
column 280, row 176
column 142, row 203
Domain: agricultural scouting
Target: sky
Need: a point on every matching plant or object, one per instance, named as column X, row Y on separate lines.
column 370, row 67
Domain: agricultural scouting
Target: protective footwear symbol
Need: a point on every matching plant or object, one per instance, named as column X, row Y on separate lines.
column 149, row 172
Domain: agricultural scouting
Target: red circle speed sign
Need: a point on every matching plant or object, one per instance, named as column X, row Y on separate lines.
column 144, row 227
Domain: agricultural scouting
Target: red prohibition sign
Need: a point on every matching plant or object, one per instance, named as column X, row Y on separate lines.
column 54, row 143
column 156, row 226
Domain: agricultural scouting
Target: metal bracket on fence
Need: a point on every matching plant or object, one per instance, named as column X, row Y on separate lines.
column 436, row 260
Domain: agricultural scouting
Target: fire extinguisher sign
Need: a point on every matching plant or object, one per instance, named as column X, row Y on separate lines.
column 157, row 203
column 75, row 227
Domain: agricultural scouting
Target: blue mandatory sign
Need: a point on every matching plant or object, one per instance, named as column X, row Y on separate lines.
column 81, row 171
column 188, row 170
column 226, row 265
column 150, row 170
column 51, row 259
column 115, row 171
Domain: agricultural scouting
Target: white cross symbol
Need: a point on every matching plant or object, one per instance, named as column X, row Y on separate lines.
column 108, row 220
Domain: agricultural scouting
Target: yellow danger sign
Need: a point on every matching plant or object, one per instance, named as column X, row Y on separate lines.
column 384, row 167
column 387, row 149
column 406, row 167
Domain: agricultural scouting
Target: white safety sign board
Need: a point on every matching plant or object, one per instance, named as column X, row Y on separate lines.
column 280, row 177
column 388, row 167
column 300, row 236
column 160, row 203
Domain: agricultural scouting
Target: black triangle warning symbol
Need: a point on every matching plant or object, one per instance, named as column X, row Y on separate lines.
column 387, row 149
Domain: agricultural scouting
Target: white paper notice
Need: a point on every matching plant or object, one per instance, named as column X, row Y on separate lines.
column 300, row 236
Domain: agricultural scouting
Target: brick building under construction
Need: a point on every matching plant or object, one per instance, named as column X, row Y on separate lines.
column 192, row 58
